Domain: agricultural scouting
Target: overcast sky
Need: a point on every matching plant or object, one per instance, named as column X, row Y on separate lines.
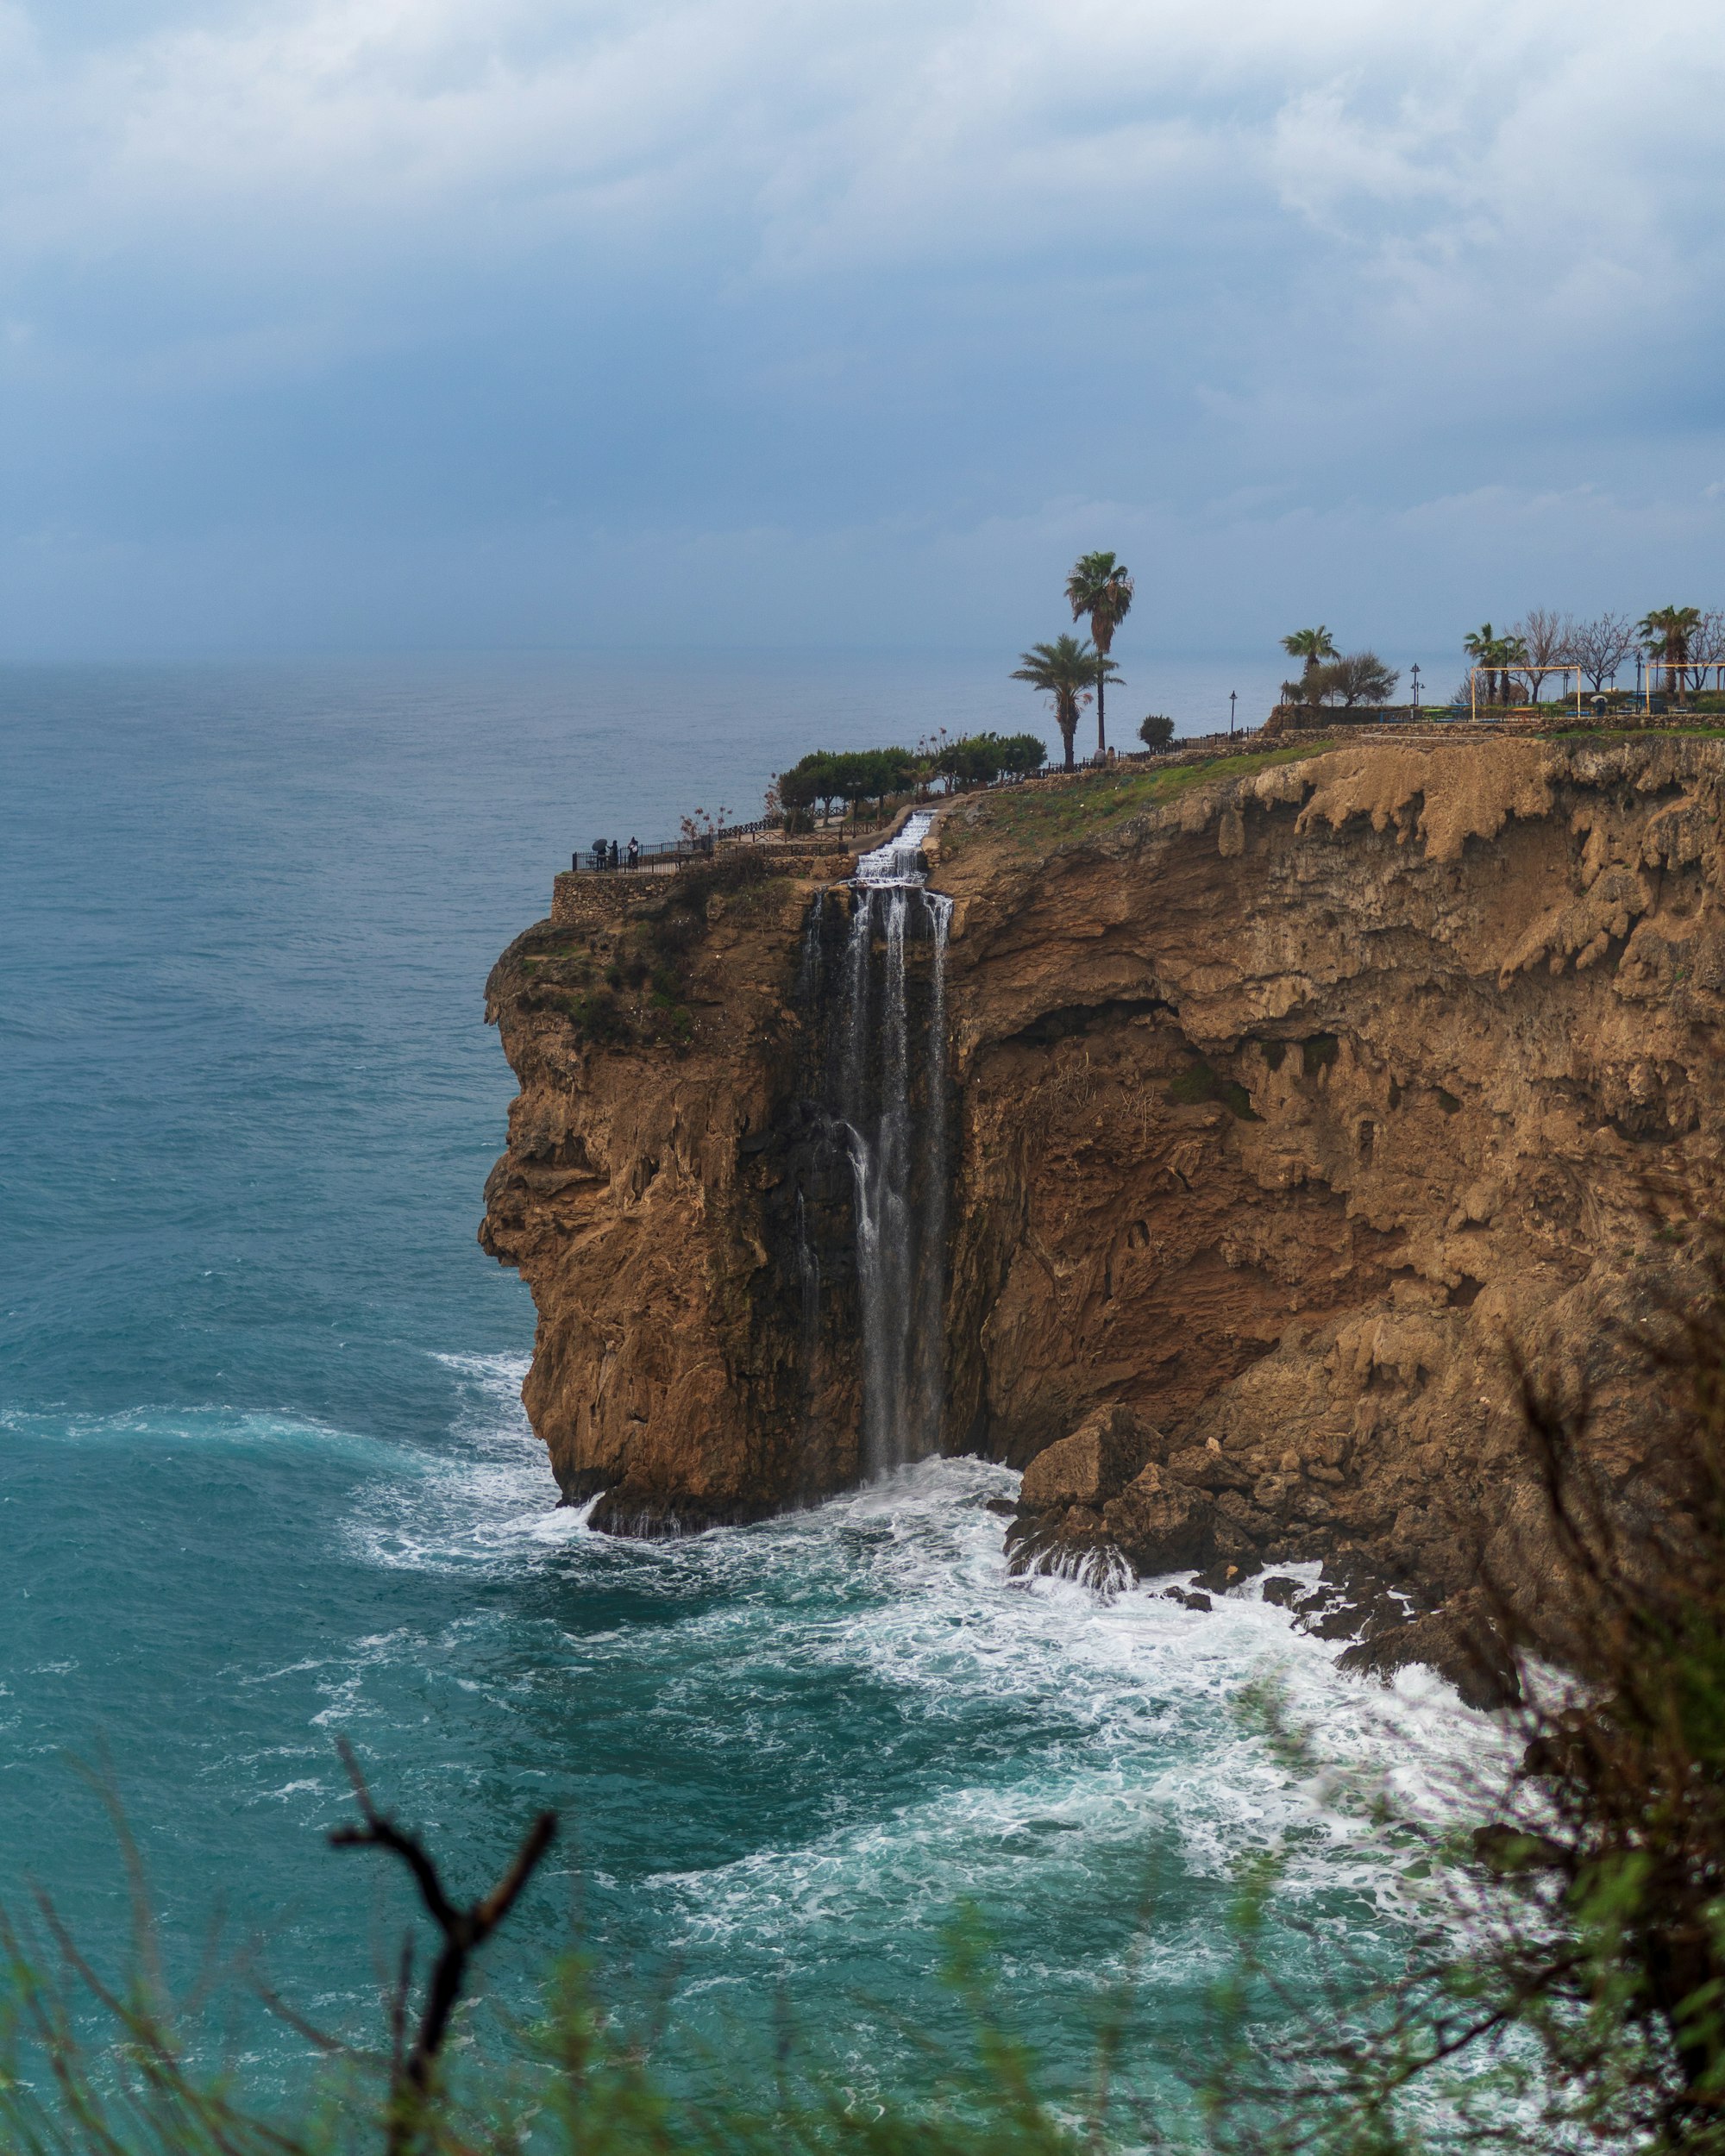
column 383, row 324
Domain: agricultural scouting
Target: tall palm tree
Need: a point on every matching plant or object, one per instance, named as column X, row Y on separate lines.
column 1498, row 655
column 1315, row 646
column 1102, row 588
column 1492, row 652
column 1665, row 632
column 1063, row 670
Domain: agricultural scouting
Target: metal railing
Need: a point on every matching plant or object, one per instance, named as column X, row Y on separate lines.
column 609, row 857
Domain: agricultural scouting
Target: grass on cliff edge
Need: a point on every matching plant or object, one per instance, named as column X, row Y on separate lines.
column 1039, row 817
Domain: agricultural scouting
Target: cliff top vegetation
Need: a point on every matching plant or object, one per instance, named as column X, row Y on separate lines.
column 1039, row 818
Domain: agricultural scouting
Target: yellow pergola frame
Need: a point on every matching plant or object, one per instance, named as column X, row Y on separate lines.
column 1669, row 666
column 1474, row 673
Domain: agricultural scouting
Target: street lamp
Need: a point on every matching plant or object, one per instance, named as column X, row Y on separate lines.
column 1232, row 694
column 1416, row 688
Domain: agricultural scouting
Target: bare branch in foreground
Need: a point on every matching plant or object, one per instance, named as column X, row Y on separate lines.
column 464, row 1930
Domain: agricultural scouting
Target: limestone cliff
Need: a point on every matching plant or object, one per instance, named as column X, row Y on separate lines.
column 1282, row 1092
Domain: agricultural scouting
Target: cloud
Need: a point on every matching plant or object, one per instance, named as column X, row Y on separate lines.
column 759, row 265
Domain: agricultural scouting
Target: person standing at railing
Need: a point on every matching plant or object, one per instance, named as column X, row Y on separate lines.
column 615, row 857
column 599, row 853
column 635, row 853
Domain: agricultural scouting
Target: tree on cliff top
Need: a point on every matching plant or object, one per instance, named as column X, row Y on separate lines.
column 1156, row 731
column 1101, row 587
column 1063, row 670
column 1600, row 646
column 1548, row 640
column 1315, row 646
column 979, row 759
column 1358, row 677
column 855, row 775
column 1666, row 634
column 1495, row 655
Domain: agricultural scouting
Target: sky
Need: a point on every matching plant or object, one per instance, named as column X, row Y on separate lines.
column 343, row 325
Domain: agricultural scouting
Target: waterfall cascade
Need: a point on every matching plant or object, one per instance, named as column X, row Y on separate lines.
column 886, row 1098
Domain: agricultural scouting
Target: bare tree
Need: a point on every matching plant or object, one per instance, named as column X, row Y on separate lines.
column 465, row 1931
column 1599, row 647
column 1358, row 677
column 1548, row 639
column 1707, row 645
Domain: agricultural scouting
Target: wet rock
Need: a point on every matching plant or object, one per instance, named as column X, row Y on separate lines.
column 1455, row 1641
column 1073, row 1544
column 1208, row 1468
column 1163, row 1525
column 1186, row 1597
column 1221, row 1578
column 1281, row 1590
column 1095, row 1464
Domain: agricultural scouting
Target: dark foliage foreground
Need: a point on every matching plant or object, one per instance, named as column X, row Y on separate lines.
column 1586, row 2007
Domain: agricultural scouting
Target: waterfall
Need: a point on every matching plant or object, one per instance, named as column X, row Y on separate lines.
column 888, row 1100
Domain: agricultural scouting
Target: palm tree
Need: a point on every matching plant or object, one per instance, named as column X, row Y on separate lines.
column 1315, row 646
column 1102, row 588
column 1492, row 652
column 1498, row 654
column 1665, row 632
column 1063, row 670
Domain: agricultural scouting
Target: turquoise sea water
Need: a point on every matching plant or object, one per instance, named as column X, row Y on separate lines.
column 264, row 1477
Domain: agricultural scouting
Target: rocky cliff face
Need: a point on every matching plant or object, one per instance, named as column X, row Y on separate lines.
column 1282, row 1095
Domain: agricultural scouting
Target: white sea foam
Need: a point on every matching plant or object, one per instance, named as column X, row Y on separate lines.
column 486, row 1497
column 1039, row 1723
column 1134, row 1698
column 229, row 1428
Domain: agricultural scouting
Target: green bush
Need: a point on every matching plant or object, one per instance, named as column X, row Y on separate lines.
column 868, row 774
column 979, row 759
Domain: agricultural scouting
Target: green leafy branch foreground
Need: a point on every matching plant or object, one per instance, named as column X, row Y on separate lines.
column 1564, row 1988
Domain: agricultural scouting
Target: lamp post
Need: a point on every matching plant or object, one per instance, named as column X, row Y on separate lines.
column 1232, row 694
column 1416, row 689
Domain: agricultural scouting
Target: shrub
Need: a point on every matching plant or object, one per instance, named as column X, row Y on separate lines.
column 865, row 775
column 1156, row 731
column 979, row 759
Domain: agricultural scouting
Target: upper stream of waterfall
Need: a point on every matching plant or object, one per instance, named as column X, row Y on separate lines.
column 887, row 1091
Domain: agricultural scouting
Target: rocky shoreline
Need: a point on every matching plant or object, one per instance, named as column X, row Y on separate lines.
column 1283, row 1095
column 1117, row 1502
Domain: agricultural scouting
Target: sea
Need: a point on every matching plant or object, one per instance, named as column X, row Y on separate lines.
column 266, row 1483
